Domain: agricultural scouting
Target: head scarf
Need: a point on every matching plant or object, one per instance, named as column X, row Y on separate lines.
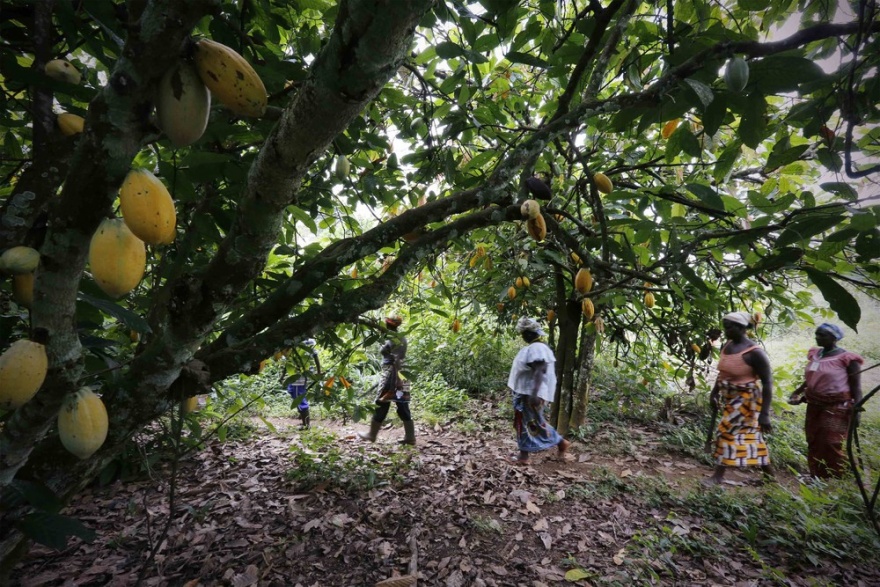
column 393, row 321
column 831, row 329
column 526, row 324
column 743, row 318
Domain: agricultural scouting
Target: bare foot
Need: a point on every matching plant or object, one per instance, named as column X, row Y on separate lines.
column 563, row 446
column 711, row 482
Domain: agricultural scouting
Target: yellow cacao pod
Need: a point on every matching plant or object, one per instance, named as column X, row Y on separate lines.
column 576, row 258
column 587, row 308
column 530, row 209
column 117, row 258
column 456, row 325
column 190, row 405
column 696, row 348
column 63, row 71
column 230, row 78
column 599, row 324
column 354, row 273
column 551, row 314
column 500, row 306
column 537, row 227
column 19, row 259
column 669, row 128
column 23, row 289
column 23, row 368
column 147, row 208
column 649, row 300
column 603, row 184
column 511, row 292
column 70, row 124
column 82, row 423
column 183, row 104
column 583, row 280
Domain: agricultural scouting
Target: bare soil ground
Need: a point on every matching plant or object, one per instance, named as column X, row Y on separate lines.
column 459, row 514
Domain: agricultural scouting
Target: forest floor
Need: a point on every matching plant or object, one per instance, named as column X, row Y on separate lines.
column 321, row 507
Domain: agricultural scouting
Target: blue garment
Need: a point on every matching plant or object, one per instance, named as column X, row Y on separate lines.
column 296, row 390
column 533, row 433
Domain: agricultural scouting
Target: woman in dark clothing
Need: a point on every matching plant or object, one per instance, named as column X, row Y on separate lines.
column 831, row 387
column 392, row 388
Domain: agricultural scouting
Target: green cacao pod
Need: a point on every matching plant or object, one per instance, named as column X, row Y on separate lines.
column 736, row 76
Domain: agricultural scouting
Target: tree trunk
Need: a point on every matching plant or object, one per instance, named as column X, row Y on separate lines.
column 367, row 39
column 566, row 360
column 586, row 362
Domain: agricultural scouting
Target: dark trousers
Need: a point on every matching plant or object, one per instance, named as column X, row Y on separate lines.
column 382, row 411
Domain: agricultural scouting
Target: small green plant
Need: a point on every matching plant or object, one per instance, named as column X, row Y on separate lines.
column 486, row 524
column 320, row 462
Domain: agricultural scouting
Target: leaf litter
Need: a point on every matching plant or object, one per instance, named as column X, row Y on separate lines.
column 458, row 514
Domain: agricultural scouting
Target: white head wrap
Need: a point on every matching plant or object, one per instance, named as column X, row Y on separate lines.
column 743, row 318
column 526, row 324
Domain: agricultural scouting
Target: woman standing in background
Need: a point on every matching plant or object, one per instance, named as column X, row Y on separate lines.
column 832, row 386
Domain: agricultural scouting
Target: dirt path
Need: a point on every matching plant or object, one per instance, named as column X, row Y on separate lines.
column 457, row 512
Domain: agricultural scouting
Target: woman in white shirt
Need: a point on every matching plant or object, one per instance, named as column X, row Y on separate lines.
column 533, row 382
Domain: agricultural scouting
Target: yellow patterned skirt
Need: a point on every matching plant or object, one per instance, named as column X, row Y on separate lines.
column 738, row 441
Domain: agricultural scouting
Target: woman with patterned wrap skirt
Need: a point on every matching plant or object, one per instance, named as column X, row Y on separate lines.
column 739, row 440
column 831, row 387
column 533, row 382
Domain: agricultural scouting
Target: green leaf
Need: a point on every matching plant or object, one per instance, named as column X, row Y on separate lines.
column 706, row 194
column 704, row 93
column 782, row 154
column 526, row 59
column 753, row 5
column 868, row 244
column 783, row 73
column 840, row 300
column 36, row 494
column 785, row 257
column 695, row 279
column 52, row 530
column 752, row 125
column 844, row 190
column 303, row 217
column 577, row 574
column 124, row 315
column 726, row 161
column 449, row 50
column 808, row 226
column 714, row 114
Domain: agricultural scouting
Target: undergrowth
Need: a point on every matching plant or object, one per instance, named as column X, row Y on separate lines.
column 319, row 462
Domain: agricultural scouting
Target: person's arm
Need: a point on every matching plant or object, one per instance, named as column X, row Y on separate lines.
column 317, row 363
column 797, row 396
column 854, row 376
column 540, row 369
column 759, row 361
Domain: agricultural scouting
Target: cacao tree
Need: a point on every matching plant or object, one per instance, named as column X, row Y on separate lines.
column 740, row 171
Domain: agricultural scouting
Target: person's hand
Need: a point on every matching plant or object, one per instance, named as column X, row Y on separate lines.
column 535, row 402
column 764, row 422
